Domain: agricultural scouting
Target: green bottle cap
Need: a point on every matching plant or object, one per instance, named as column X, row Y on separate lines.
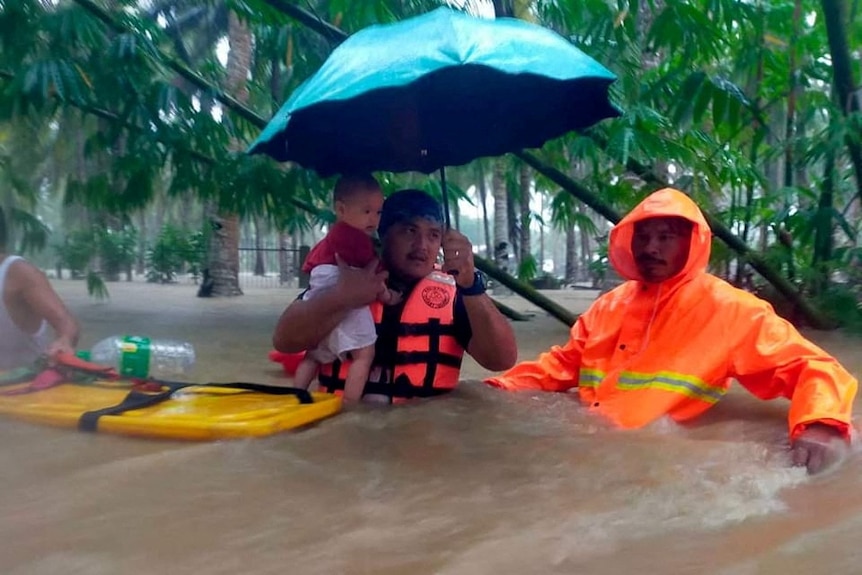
column 83, row 354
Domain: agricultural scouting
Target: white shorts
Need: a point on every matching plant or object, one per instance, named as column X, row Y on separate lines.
column 356, row 330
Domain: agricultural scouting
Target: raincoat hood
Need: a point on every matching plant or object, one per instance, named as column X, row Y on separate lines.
column 663, row 203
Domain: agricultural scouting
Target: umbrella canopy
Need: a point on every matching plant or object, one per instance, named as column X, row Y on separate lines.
column 441, row 89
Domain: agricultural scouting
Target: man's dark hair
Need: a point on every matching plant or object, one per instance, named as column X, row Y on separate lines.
column 350, row 184
column 405, row 205
column 682, row 226
column 678, row 224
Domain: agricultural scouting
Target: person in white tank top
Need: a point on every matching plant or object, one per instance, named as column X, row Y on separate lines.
column 29, row 306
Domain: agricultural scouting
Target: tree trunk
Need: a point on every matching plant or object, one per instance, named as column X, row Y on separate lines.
column 285, row 270
column 835, row 12
column 503, row 8
column 224, row 240
column 754, row 83
column 141, row 257
column 524, row 184
column 541, row 232
column 792, row 94
column 586, row 255
column 514, row 231
column 571, row 255
column 823, row 239
column 259, row 264
column 522, row 10
column 483, row 197
column 501, row 228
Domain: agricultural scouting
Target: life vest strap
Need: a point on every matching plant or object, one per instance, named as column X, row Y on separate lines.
column 427, row 329
column 427, row 357
column 401, row 388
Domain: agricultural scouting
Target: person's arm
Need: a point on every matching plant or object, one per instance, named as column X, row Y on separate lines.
column 493, row 343
column 555, row 370
column 40, row 297
column 305, row 323
column 774, row 360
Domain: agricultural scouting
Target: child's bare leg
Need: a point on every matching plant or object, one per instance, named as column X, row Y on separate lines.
column 357, row 375
column 305, row 372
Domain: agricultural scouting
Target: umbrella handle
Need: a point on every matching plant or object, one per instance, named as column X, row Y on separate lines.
column 444, row 195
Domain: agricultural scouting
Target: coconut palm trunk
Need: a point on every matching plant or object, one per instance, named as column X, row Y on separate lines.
column 224, row 238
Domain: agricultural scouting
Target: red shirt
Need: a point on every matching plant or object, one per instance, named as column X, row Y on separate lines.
column 354, row 246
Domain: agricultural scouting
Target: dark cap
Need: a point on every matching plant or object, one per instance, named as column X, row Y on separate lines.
column 406, row 205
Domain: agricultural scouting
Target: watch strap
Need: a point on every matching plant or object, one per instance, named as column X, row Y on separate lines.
column 478, row 287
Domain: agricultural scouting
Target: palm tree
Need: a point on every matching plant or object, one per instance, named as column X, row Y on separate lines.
column 223, row 260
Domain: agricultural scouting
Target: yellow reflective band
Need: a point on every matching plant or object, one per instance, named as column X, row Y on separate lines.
column 687, row 385
column 590, row 377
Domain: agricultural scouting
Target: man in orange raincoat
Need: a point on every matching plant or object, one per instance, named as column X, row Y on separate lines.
column 669, row 341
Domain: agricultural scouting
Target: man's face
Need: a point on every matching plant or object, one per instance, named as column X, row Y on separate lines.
column 410, row 249
column 660, row 247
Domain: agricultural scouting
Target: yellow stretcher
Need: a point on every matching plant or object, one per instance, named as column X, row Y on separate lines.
column 164, row 409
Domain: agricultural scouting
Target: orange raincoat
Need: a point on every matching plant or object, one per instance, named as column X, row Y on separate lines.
column 647, row 350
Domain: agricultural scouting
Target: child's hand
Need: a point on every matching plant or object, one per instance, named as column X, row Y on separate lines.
column 60, row 347
column 389, row 297
column 358, row 286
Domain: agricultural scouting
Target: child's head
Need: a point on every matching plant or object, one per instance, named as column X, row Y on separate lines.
column 358, row 202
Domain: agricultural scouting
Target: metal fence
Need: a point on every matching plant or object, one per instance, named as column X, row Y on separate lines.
column 270, row 266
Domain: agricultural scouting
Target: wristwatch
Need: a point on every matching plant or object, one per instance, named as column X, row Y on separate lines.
column 478, row 287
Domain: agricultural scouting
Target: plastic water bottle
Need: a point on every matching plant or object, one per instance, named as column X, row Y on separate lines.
column 135, row 356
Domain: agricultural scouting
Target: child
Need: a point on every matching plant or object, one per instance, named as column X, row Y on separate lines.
column 358, row 202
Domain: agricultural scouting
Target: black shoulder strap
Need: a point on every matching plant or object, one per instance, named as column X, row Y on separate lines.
column 135, row 399
column 303, row 395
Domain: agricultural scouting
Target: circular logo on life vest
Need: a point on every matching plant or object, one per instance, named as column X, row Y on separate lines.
column 435, row 297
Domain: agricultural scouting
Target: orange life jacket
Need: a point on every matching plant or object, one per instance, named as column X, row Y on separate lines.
column 646, row 350
column 427, row 358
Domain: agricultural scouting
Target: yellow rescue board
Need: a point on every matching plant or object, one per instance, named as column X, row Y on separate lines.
column 197, row 412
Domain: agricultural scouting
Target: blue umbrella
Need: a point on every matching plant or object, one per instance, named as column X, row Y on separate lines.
column 441, row 89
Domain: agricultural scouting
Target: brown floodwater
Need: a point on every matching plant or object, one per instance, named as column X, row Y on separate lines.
column 481, row 481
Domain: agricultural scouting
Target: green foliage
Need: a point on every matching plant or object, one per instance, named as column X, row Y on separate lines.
column 600, row 264
column 564, row 215
column 94, row 109
column 840, row 303
column 76, row 252
column 116, row 248
column 96, row 286
column 34, row 232
column 99, row 251
column 528, row 268
column 174, row 252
